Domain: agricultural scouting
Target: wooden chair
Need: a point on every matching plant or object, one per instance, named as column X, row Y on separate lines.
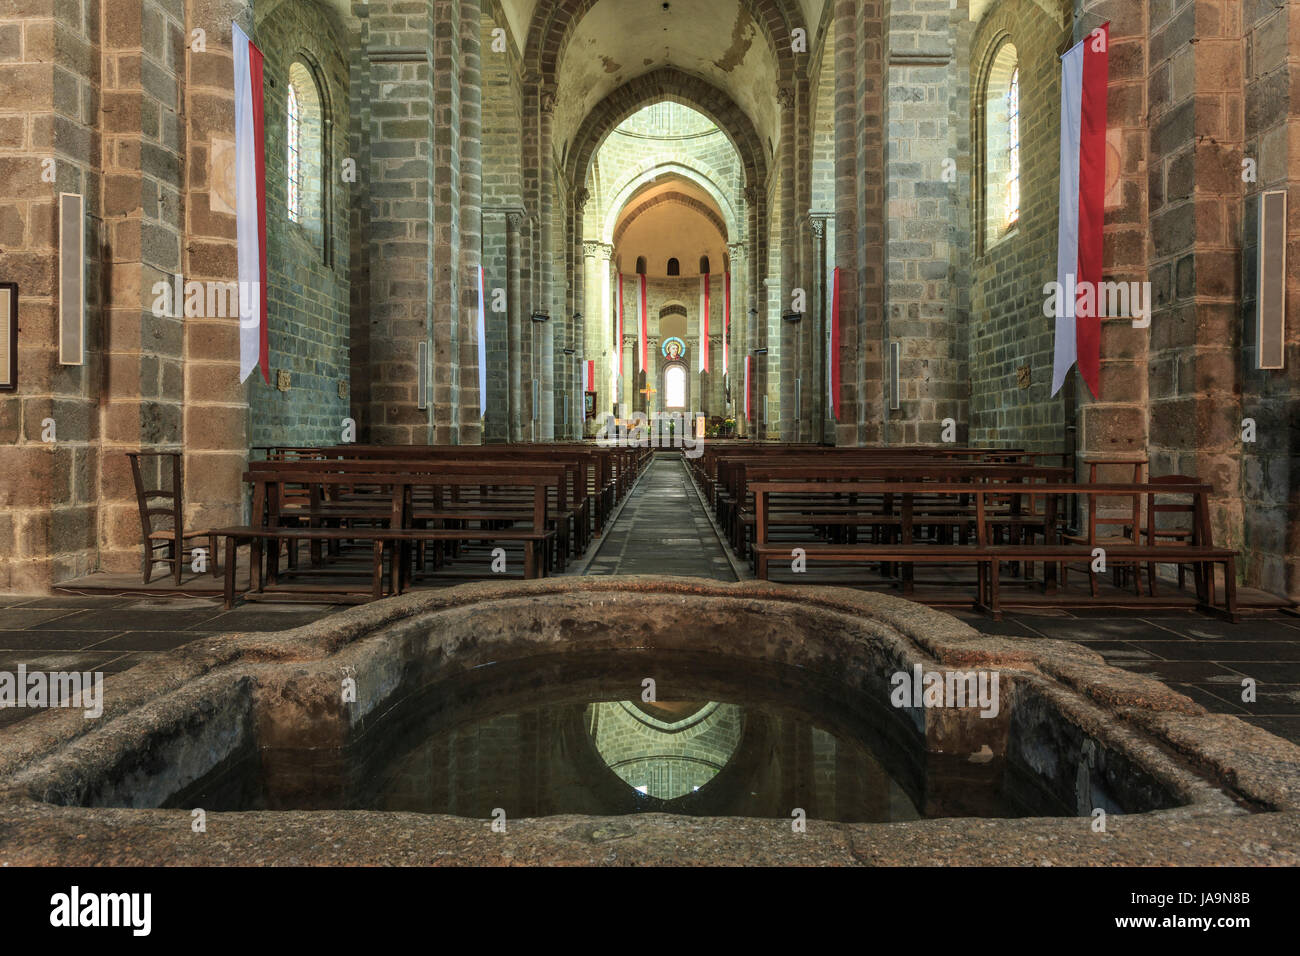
column 171, row 538
column 1169, row 536
column 1128, row 523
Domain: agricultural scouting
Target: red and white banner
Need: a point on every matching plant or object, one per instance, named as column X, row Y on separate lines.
column 726, row 319
column 834, row 377
column 704, row 322
column 250, row 206
column 643, row 322
column 591, row 375
column 1084, row 77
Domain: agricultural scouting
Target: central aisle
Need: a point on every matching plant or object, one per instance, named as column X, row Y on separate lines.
column 663, row 529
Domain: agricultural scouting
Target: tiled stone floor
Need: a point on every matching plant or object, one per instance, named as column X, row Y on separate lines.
column 110, row 634
column 664, row 529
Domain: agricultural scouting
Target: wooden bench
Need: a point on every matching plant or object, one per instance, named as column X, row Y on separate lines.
column 389, row 515
column 986, row 556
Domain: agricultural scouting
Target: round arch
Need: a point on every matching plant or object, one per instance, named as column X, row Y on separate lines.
column 675, row 198
column 706, row 179
column 674, row 86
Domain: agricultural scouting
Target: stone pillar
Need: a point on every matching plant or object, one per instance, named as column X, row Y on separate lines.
column 471, row 220
column 591, row 346
column 738, row 345
column 787, row 238
column 546, row 257
column 819, row 295
column 215, row 406
column 517, row 321
column 1195, row 116
column 400, row 52
column 447, row 283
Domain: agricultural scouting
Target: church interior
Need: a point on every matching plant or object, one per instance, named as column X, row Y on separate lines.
column 728, row 368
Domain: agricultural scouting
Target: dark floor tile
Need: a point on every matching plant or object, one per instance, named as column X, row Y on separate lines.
column 57, row 661
column 1004, row 628
column 1190, row 672
column 149, row 640
column 261, row 619
column 1097, row 629
column 1207, row 697
column 131, row 619
column 1208, row 629
column 39, row 640
column 122, row 663
column 74, row 601
column 1267, row 672
column 17, row 618
column 1271, row 700
column 1189, row 650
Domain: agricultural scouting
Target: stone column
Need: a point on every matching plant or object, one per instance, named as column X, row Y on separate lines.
column 470, row 424
column 819, row 298
column 738, row 343
column 592, row 346
column 517, row 320
column 400, row 53
column 548, row 332
column 787, row 236
column 446, row 286
column 214, row 412
column 1196, row 149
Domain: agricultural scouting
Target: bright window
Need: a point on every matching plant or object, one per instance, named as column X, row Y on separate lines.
column 1013, row 149
column 293, row 157
column 675, row 387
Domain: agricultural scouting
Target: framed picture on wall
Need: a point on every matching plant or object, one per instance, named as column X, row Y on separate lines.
column 589, row 405
column 8, row 336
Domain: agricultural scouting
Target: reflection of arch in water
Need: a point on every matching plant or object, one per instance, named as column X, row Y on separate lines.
column 665, row 759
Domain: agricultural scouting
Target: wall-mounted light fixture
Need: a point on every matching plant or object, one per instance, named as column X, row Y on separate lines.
column 569, row 352
column 541, row 316
column 762, row 351
column 792, row 316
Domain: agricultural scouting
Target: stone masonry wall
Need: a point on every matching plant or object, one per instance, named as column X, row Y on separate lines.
column 308, row 275
column 1008, row 330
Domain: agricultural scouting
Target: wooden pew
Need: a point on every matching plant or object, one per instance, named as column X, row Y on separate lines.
column 988, row 556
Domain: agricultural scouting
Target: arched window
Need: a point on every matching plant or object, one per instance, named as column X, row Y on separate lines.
column 674, row 267
column 305, row 160
column 1001, row 135
column 640, row 265
column 675, row 386
column 293, row 166
column 1013, row 148
column 704, row 265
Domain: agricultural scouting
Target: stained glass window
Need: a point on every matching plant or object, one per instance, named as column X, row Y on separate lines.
column 293, row 158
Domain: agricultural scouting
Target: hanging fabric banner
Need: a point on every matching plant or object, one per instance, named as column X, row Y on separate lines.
column 704, row 322
column 618, row 346
column 250, row 206
column 1084, row 77
column 834, row 377
column 591, row 375
column 644, row 321
column 482, row 348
